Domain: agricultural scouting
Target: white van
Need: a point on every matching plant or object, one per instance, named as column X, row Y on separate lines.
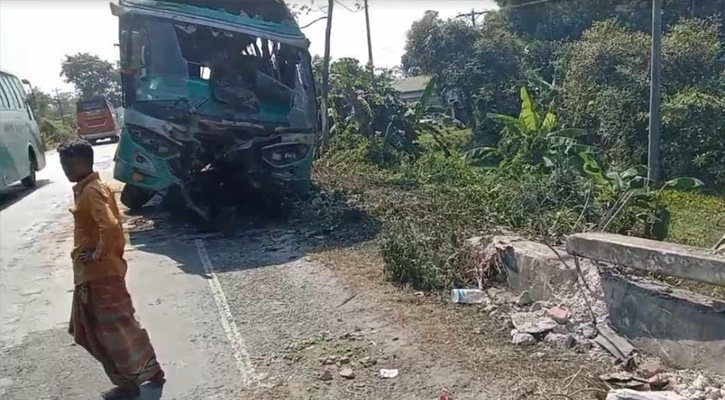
column 21, row 148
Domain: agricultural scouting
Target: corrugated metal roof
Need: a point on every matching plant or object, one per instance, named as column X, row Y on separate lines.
column 412, row 84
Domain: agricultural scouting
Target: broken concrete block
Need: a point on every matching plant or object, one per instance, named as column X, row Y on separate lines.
column 532, row 322
column 562, row 341
column 534, row 267
column 650, row 255
column 678, row 326
column 650, row 369
column 523, row 339
column 700, row 383
column 613, row 342
column 658, row 382
column 559, row 314
column 556, row 338
column 628, row 394
column 524, row 299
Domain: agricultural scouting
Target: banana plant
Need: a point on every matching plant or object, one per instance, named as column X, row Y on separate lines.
column 633, row 188
column 534, row 136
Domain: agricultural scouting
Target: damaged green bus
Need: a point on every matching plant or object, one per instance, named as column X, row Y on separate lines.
column 219, row 101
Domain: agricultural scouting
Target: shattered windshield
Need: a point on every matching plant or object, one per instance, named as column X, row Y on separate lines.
column 224, row 75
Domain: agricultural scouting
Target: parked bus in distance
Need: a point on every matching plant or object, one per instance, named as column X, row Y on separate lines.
column 97, row 120
column 21, row 148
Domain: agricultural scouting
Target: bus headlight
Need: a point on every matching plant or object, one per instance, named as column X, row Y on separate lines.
column 285, row 153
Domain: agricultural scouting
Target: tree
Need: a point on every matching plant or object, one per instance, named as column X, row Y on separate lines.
column 432, row 44
column 92, row 76
column 486, row 63
column 568, row 19
column 606, row 89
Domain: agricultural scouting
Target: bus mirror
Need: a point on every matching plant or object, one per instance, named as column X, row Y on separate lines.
column 136, row 50
column 131, row 50
column 123, row 45
column 31, row 97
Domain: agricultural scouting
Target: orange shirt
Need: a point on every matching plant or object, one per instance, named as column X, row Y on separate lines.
column 97, row 228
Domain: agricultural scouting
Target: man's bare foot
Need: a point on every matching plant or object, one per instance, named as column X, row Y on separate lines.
column 158, row 380
column 122, row 393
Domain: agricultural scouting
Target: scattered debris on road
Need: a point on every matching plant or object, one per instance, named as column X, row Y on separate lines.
column 388, row 373
column 627, row 394
column 326, row 375
column 532, row 322
column 347, row 373
column 523, row 339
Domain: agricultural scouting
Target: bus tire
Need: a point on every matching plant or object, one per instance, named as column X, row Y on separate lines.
column 135, row 197
column 31, row 180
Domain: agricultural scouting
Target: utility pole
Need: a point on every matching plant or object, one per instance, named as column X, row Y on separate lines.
column 326, row 79
column 370, row 41
column 60, row 105
column 473, row 15
column 654, row 98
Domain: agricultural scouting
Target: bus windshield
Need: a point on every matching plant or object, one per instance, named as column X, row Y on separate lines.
column 224, row 74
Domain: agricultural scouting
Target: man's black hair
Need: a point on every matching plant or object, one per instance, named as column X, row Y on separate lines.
column 76, row 147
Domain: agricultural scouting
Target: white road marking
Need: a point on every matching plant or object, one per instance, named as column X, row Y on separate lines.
column 239, row 350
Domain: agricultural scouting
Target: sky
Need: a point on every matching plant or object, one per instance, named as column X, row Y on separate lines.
column 36, row 34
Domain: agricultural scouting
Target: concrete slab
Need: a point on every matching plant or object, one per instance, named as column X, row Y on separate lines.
column 681, row 327
column 534, row 267
column 649, row 255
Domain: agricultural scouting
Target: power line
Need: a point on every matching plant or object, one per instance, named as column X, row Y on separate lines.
column 341, row 4
column 317, row 20
column 531, row 3
column 474, row 14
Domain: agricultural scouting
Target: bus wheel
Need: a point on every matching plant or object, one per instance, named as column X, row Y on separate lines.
column 30, row 181
column 135, row 197
column 115, row 139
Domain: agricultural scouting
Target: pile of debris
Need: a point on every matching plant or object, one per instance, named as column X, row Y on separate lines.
column 651, row 382
column 534, row 321
column 571, row 314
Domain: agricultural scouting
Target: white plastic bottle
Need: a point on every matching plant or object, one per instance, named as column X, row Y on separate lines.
column 468, row 296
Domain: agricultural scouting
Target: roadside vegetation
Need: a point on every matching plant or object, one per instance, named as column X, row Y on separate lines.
column 554, row 138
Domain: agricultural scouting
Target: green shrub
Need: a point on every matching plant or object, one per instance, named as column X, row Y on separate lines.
column 694, row 124
column 53, row 132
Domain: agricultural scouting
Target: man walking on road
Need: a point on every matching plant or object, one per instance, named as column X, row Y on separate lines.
column 102, row 318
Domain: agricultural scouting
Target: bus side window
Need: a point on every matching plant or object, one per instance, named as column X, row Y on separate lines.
column 4, row 99
column 12, row 97
column 19, row 103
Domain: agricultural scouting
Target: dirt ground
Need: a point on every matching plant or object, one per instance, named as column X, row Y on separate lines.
column 311, row 300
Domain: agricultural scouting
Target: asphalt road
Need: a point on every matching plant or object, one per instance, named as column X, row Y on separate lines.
column 39, row 360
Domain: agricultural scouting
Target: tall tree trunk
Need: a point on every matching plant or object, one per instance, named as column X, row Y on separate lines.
column 326, row 81
column 370, row 41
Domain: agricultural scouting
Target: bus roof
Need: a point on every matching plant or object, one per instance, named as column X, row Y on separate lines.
column 265, row 18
